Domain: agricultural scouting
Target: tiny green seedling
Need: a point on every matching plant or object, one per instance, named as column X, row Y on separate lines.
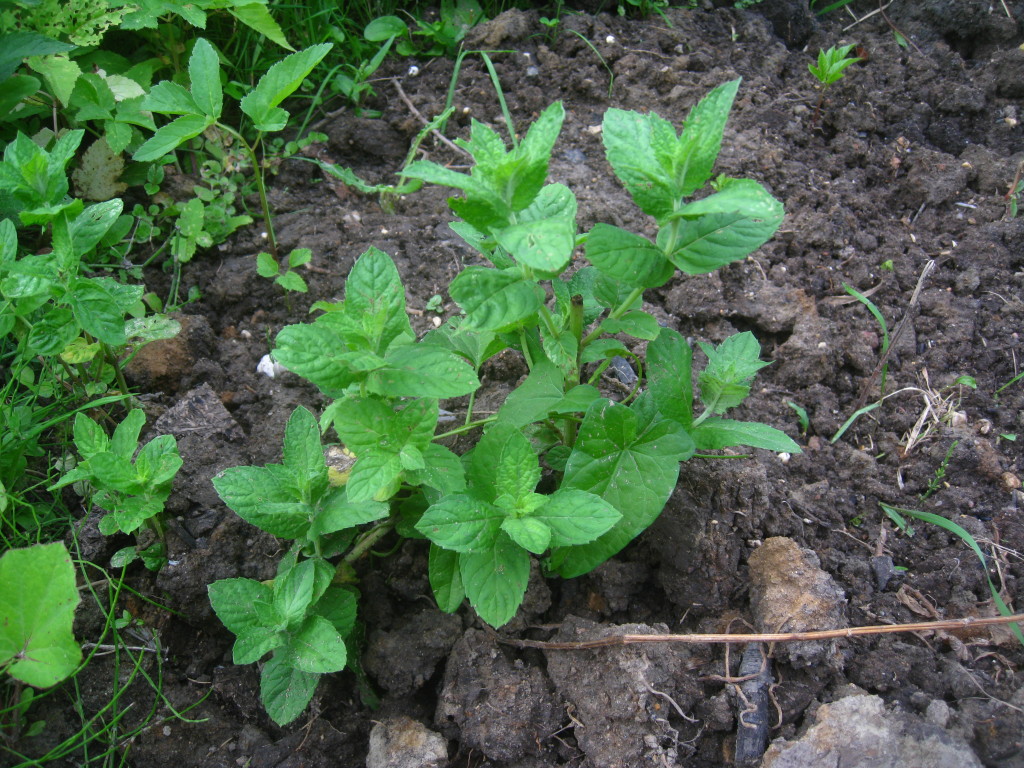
column 935, row 482
column 133, row 493
column 830, row 69
column 1013, row 194
column 801, row 415
column 289, row 279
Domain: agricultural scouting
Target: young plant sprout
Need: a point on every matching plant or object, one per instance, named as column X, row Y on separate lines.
column 829, row 69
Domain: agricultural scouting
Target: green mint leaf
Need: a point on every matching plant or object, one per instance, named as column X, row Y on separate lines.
column 251, row 645
column 338, row 606
column 723, row 227
column 495, row 300
column 541, row 136
column 284, row 690
column 530, row 533
column 315, row 647
column 125, row 439
column 423, row 370
column 462, row 523
column 635, row 323
column 38, row 596
column 337, row 513
column 445, row 579
column 90, row 438
column 575, row 517
column 534, row 399
column 544, row 234
column 629, row 459
column 442, row 470
column 476, row 346
column 204, row 74
column 627, row 258
column 714, row 433
column 303, row 454
column 507, row 455
column 293, row 592
column 257, row 17
column 292, row 281
column 629, row 146
column 97, row 308
column 376, row 476
column 89, row 226
column 234, row 601
column 698, row 146
column 266, row 497
column 316, row 352
column 169, row 137
column 158, row 461
column 725, row 380
column 375, row 300
column 670, row 376
column 496, row 580
column 279, row 82
column 603, row 349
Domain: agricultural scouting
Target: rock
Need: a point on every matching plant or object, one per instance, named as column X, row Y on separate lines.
column 858, row 732
column 501, row 707
column 620, row 694
column 503, row 30
column 401, row 742
column 789, row 592
column 161, row 365
column 199, row 411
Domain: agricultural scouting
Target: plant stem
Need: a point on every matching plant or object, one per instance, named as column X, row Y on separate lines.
column 370, row 538
column 616, row 313
column 465, row 427
column 257, row 171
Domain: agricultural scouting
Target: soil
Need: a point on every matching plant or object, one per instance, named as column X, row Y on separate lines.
column 895, row 186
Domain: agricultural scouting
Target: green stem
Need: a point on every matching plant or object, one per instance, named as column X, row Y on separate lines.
column 469, row 425
column 370, row 538
column 616, row 313
column 469, row 407
column 549, row 322
column 526, row 348
column 257, row 171
column 108, row 353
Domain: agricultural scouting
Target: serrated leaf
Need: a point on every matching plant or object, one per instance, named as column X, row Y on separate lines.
column 285, row 691
column 627, row 258
column 442, row 470
column 532, row 400
column 445, row 579
column 508, row 456
column 701, row 140
column 495, row 299
column 125, row 440
column 256, row 16
column 629, row 148
column 266, row 265
column 530, row 533
column 303, row 454
column 90, row 438
column 97, row 310
column 234, row 600
column 293, row 592
column 169, row 98
column 169, row 137
column 423, row 370
column 461, row 523
column 338, row 606
column 204, row 75
column 316, row 353
column 725, row 380
column 337, row 513
column 253, row 644
column 315, row 647
column 544, row 234
column 375, row 300
column 576, row 517
column 635, row 323
column 670, row 376
column 38, row 596
column 265, row 497
column 374, row 477
column 277, row 84
column 496, row 580
column 724, row 227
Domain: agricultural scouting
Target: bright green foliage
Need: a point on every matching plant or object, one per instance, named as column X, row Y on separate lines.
column 38, row 597
column 132, row 492
column 290, row 280
column 832, row 63
column 302, row 616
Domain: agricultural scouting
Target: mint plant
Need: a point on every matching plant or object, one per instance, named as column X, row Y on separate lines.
column 132, row 492
column 199, row 108
column 830, row 69
column 561, row 471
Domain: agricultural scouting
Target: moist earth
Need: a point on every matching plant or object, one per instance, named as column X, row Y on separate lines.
column 895, row 186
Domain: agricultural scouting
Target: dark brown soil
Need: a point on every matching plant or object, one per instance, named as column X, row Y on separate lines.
column 907, row 166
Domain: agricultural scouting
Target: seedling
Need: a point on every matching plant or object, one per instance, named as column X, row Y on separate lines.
column 882, row 325
column 830, row 69
column 801, row 415
column 1014, row 192
column 289, row 280
column 935, row 481
column 133, row 493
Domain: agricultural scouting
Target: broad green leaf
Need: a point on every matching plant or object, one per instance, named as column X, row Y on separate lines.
column 293, row 592
column 285, row 691
column 603, row 349
column 375, row 476
column 461, row 523
column 476, row 346
column 575, row 517
column 316, row 353
column 670, row 376
column 158, row 461
column 432, row 173
column 253, row 644
column 169, row 137
column 635, row 323
column 90, row 226
column 627, row 258
column 544, row 234
column 266, row 265
column 169, row 98
column 561, row 349
column 13, row 91
column 725, row 380
column 338, row 606
column 52, row 332
column 38, row 596
column 60, row 73
column 257, row 17
column 423, row 370
column 445, row 579
column 90, row 438
column 303, row 454
column 375, row 297
column 442, row 470
column 143, row 330
column 495, row 299
column 496, row 580
column 530, row 533
column 629, row 147
column 631, row 461
column 279, row 82
column 204, row 74
column 701, row 140
column 514, row 466
column 315, row 647
column 125, row 440
column 337, row 513
column 265, row 497
column 383, row 27
column 96, row 309
column 364, row 423
column 533, row 399
column 715, row 432
column 234, row 600
column 15, row 47
column 723, row 227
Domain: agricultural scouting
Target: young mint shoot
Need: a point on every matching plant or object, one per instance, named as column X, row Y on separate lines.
column 560, row 472
column 830, row 69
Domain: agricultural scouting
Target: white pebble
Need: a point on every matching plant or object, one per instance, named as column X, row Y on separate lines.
column 610, row 39
column 413, row 71
column 269, row 367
